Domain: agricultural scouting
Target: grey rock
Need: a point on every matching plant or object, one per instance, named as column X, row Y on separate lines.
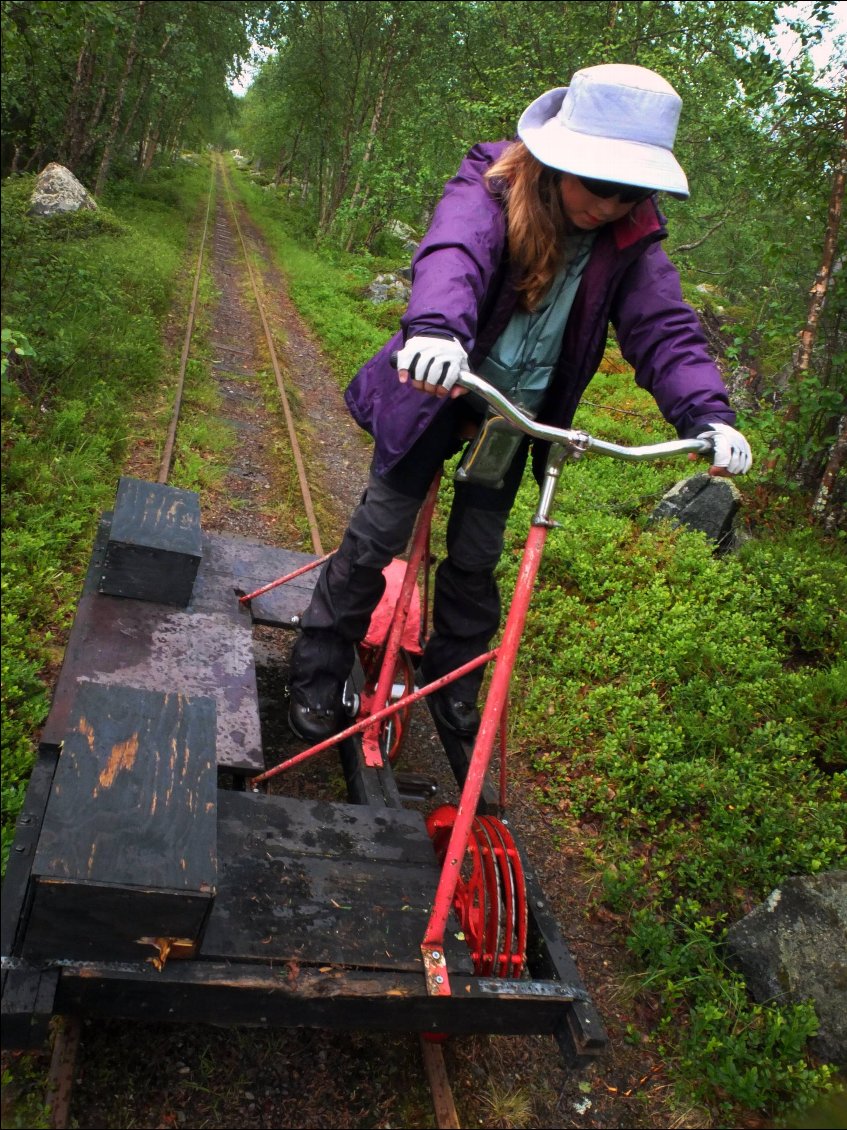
column 389, row 288
column 793, row 948
column 57, row 192
column 403, row 231
column 702, row 503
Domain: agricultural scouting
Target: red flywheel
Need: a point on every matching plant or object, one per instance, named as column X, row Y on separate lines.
column 490, row 898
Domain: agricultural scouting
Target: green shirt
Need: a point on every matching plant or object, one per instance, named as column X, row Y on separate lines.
column 522, row 358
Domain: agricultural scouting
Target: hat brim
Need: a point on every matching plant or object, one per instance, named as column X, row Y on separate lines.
column 602, row 158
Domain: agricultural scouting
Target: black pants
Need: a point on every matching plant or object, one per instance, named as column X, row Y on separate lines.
column 466, row 602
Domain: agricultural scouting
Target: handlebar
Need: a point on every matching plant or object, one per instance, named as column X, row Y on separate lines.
column 573, row 441
column 576, row 441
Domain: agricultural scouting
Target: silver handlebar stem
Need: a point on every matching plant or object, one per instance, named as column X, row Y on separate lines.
column 568, row 442
column 574, row 441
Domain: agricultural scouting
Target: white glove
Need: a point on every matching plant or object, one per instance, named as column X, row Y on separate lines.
column 732, row 451
column 433, row 361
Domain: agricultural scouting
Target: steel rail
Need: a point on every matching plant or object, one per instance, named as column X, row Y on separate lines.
column 168, row 454
column 280, row 383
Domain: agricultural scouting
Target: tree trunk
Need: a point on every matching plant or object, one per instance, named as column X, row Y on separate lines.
column 106, row 159
column 71, row 139
column 352, row 124
column 150, row 143
column 88, row 140
column 825, row 508
column 286, row 165
column 143, row 88
column 372, row 132
column 817, row 294
column 817, row 300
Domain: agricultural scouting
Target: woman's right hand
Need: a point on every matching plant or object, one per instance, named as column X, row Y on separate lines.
column 433, row 364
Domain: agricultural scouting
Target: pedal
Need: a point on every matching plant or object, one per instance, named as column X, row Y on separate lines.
column 416, row 786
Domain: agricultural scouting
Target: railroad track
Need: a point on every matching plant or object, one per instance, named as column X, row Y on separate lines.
column 228, row 216
column 224, row 246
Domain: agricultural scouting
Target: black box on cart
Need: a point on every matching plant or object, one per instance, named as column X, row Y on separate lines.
column 155, row 547
column 126, row 863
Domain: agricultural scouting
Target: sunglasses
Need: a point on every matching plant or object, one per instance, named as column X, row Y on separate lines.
column 605, row 189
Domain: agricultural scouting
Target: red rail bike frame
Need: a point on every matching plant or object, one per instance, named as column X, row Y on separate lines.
column 432, row 948
column 564, row 444
column 493, row 716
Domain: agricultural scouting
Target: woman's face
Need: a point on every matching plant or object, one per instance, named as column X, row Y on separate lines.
column 586, row 211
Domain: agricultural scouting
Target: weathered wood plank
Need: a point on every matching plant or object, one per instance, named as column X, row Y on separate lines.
column 154, row 546
column 27, row 1006
column 19, row 867
column 104, row 922
column 446, row 1116
column 231, row 563
column 128, row 844
column 335, row 912
column 160, row 648
column 322, row 883
column 251, row 825
column 291, row 995
column 134, row 792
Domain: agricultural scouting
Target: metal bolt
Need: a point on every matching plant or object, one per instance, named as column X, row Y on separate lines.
column 539, row 903
column 439, row 980
column 436, row 956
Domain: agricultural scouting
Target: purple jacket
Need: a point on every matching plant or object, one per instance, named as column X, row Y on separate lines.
column 461, row 285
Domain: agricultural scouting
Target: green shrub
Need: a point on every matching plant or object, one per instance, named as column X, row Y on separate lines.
column 84, row 301
column 692, row 709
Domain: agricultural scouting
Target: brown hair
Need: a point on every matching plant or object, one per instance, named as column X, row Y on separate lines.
column 536, row 218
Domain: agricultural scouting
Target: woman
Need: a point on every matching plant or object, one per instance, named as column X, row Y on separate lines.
column 535, row 247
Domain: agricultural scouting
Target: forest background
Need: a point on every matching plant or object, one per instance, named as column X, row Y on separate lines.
column 713, row 778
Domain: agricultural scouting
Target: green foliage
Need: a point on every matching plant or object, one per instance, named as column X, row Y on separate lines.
column 692, row 711
column 14, row 347
column 752, row 1055
column 111, row 85
column 83, row 306
column 24, row 1105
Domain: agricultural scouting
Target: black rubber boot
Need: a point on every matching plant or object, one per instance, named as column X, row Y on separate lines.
column 314, row 721
column 460, row 718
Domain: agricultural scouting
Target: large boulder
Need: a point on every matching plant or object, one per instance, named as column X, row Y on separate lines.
column 793, row 947
column 704, row 503
column 57, row 192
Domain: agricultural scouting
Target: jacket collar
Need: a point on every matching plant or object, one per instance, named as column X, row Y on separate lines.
column 643, row 221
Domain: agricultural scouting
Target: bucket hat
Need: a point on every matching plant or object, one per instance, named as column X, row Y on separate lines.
column 615, row 122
